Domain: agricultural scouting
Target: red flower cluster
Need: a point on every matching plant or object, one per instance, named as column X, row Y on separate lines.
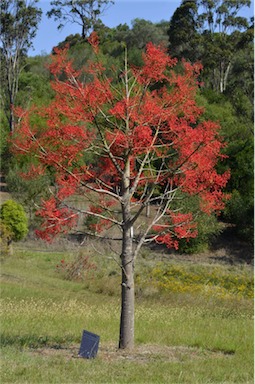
column 56, row 219
column 94, row 41
column 156, row 62
column 181, row 226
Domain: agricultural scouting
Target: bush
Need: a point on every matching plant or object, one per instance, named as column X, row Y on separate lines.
column 79, row 269
column 5, row 238
column 13, row 220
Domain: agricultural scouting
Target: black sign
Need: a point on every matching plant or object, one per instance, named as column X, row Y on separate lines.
column 89, row 345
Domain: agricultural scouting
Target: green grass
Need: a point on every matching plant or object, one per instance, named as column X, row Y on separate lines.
column 193, row 337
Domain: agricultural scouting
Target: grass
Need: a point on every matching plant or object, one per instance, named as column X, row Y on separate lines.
column 181, row 336
column 206, row 279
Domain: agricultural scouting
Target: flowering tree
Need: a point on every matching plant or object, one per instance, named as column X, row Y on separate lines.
column 124, row 143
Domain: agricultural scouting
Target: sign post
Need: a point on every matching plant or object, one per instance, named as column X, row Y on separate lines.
column 89, row 345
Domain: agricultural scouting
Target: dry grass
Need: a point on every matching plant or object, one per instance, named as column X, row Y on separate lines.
column 140, row 354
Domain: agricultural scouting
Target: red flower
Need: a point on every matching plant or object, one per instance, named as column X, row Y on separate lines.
column 94, row 41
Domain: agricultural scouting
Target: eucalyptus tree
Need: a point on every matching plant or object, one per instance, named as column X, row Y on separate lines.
column 19, row 20
column 85, row 13
column 221, row 26
column 211, row 31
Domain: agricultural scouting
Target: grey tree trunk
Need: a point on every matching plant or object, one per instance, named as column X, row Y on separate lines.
column 126, row 340
column 11, row 120
column 226, row 76
column 224, row 72
column 9, row 248
column 148, row 210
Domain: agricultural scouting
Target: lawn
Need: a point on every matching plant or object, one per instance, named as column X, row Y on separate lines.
column 194, row 323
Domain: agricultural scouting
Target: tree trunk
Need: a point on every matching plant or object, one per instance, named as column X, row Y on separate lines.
column 83, row 34
column 215, row 80
column 221, row 84
column 126, row 340
column 9, row 248
column 226, row 76
column 224, row 72
column 11, row 121
column 148, row 210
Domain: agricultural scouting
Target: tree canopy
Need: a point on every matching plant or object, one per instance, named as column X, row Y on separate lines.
column 85, row 13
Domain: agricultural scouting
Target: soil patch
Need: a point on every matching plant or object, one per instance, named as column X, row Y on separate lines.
column 140, row 354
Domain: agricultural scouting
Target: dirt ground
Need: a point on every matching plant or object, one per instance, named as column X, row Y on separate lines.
column 141, row 353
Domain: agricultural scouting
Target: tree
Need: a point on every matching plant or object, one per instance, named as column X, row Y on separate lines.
column 220, row 26
column 13, row 222
column 144, row 31
column 85, row 13
column 135, row 39
column 237, row 129
column 183, row 32
column 222, row 15
column 18, row 24
column 210, row 31
column 121, row 143
column 241, row 83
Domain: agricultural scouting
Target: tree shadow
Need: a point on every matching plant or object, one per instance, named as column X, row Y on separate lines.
column 229, row 248
column 226, row 248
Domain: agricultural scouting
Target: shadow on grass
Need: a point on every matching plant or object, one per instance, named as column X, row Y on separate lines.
column 33, row 341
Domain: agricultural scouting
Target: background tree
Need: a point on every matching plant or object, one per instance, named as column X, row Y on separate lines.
column 219, row 25
column 148, row 141
column 223, row 42
column 85, row 13
column 144, row 31
column 19, row 21
column 241, row 82
column 183, row 32
column 213, row 32
column 34, row 82
column 237, row 129
column 135, row 38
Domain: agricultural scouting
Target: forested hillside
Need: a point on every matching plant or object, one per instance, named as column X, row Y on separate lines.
column 211, row 33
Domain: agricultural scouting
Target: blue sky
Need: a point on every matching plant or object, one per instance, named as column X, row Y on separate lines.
column 123, row 11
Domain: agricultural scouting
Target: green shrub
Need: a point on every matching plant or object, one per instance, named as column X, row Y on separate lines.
column 5, row 238
column 14, row 222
